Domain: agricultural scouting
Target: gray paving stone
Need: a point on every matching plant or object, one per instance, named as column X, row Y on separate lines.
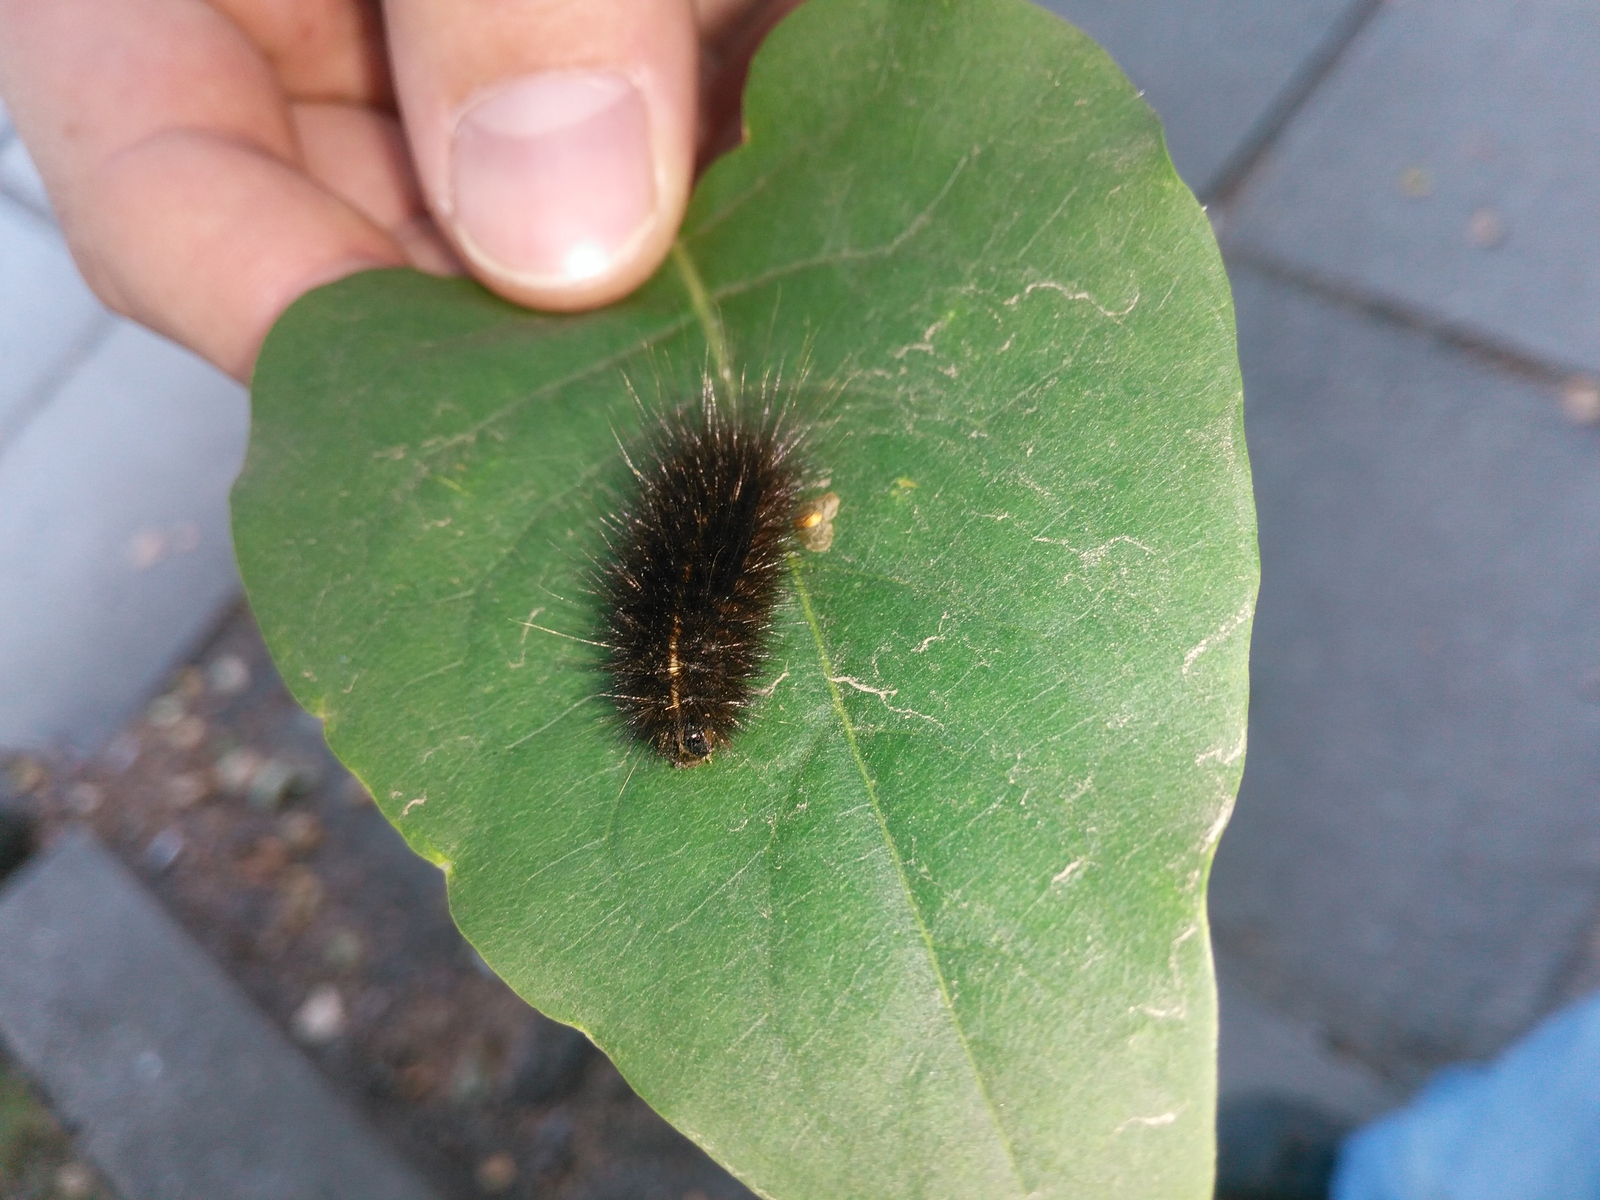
column 48, row 316
column 179, row 1088
column 1415, row 856
column 1448, row 163
column 1215, row 70
column 19, row 178
column 115, row 553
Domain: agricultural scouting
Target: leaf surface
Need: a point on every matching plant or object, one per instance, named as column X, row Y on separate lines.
column 934, row 924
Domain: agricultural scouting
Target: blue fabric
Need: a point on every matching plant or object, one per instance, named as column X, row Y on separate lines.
column 1524, row 1127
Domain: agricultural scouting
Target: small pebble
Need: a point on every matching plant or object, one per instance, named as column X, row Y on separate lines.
column 190, row 684
column 165, row 711
column 301, row 831
column 469, row 1082
column 497, row 1173
column 186, row 734
column 228, row 675
column 1486, row 229
column 74, row 1180
column 321, row 1018
column 187, row 789
column 84, row 798
column 302, row 896
column 265, row 860
column 122, row 753
column 164, row 848
column 272, row 784
column 237, row 768
column 1580, row 399
column 276, row 780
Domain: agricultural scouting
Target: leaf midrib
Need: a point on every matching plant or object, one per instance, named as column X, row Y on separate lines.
column 825, row 661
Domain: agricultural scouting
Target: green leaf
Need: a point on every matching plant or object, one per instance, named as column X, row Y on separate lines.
column 934, row 925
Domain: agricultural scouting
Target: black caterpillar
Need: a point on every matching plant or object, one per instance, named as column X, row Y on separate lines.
column 695, row 571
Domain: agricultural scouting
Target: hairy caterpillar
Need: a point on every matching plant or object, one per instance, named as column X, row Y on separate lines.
column 695, row 569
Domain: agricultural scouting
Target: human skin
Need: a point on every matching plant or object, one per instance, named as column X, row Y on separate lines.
column 212, row 160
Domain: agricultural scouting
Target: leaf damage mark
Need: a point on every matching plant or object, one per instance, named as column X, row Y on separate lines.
column 1068, row 871
column 410, row 804
column 1175, row 1013
column 465, row 737
column 925, row 346
column 771, row 687
column 1222, row 755
column 1177, row 944
column 1172, row 1011
column 1155, row 1122
column 1093, row 556
column 938, row 636
column 1071, row 293
column 1228, row 627
column 883, row 694
column 1214, row 834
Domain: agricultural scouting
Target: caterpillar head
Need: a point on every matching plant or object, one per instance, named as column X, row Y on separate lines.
column 687, row 744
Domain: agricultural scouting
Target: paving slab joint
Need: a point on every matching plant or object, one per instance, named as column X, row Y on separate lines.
column 1233, row 172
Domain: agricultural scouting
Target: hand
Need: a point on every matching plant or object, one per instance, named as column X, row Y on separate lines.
column 211, row 160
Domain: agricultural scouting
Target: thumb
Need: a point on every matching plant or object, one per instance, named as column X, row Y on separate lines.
column 554, row 140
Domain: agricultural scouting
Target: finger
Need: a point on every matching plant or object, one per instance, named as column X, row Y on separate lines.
column 207, row 241
column 554, row 140
column 170, row 156
column 360, row 156
column 319, row 49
